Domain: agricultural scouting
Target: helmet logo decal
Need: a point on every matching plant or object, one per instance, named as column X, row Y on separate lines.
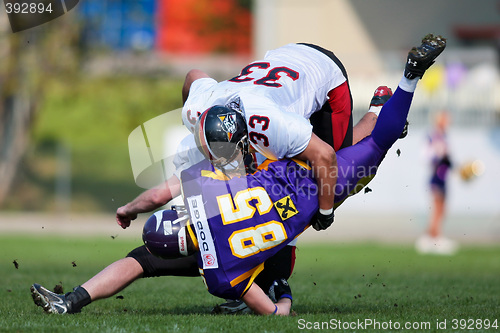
column 228, row 124
column 167, row 228
column 158, row 217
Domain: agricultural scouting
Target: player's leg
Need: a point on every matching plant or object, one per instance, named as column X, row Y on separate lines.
column 438, row 199
column 432, row 241
column 111, row 280
column 359, row 163
column 106, row 283
column 392, row 118
column 57, row 303
column 139, row 263
column 365, row 125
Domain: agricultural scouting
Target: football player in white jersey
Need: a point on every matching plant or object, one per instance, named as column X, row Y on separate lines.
column 277, row 96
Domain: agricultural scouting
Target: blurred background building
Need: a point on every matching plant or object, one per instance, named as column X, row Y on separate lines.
column 76, row 87
column 371, row 38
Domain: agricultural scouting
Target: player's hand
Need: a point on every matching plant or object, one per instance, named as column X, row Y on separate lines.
column 123, row 219
column 322, row 222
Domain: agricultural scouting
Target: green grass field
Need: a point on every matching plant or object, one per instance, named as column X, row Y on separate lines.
column 350, row 283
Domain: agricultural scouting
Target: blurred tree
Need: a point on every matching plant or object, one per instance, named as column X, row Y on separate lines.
column 28, row 61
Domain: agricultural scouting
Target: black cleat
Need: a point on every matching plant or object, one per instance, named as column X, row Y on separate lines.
column 49, row 301
column 422, row 57
column 381, row 96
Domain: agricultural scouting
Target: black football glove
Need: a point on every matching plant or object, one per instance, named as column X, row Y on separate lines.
column 321, row 222
column 279, row 289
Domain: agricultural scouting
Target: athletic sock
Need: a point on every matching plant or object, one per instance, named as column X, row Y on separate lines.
column 392, row 119
column 78, row 298
column 375, row 109
column 408, row 85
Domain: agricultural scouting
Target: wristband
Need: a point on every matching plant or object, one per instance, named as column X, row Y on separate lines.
column 326, row 211
column 275, row 309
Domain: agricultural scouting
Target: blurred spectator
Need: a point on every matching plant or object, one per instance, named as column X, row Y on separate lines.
column 438, row 154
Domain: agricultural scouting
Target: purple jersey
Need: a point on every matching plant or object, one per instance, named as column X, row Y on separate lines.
column 241, row 222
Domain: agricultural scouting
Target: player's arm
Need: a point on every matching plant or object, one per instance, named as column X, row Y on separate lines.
column 148, row 200
column 293, row 138
column 260, row 303
column 191, row 76
column 323, row 161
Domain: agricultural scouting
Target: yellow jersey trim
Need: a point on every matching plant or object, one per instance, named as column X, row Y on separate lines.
column 252, row 274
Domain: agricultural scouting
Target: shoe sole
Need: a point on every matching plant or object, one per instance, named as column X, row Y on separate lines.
column 40, row 300
column 430, row 44
column 424, row 55
column 434, row 41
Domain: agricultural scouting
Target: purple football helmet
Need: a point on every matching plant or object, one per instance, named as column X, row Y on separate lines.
column 164, row 235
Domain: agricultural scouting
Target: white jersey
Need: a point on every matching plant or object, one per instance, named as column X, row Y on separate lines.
column 187, row 155
column 277, row 95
